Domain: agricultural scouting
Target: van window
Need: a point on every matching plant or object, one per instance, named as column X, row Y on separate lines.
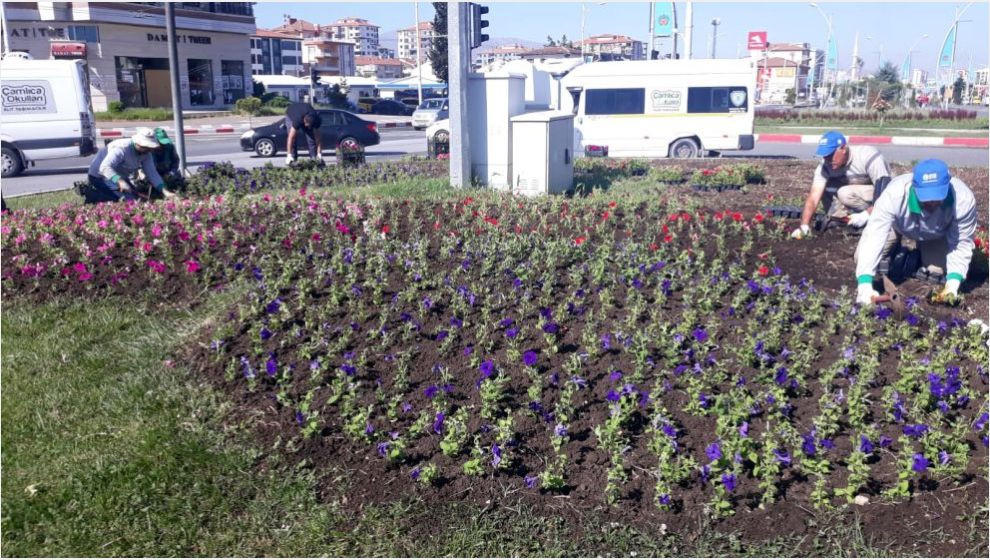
column 729, row 99
column 626, row 101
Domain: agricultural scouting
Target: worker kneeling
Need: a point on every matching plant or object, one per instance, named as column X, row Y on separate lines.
column 111, row 169
column 934, row 209
column 846, row 182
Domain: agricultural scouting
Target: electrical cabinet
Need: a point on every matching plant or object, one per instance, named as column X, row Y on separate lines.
column 542, row 153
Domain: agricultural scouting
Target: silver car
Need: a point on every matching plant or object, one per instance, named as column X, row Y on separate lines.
column 429, row 112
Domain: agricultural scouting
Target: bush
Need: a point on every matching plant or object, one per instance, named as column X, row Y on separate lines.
column 115, row 107
column 278, row 101
column 248, row 106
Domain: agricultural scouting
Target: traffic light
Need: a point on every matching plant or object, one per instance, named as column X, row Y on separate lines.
column 478, row 25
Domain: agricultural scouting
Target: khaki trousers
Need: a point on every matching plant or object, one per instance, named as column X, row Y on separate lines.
column 847, row 199
column 933, row 253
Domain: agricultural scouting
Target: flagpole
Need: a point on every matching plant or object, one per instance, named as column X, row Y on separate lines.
column 653, row 15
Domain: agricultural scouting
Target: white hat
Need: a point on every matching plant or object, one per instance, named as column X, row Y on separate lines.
column 145, row 137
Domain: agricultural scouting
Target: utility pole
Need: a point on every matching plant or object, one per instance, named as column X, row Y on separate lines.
column 6, row 33
column 459, row 64
column 688, row 31
column 419, row 56
column 653, row 15
column 715, row 23
column 173, row 66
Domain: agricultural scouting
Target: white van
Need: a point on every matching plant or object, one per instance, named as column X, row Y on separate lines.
column 661, row 108
column 46, row 112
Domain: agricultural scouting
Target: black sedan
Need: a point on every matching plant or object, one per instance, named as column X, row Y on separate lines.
column 390, row 107
column 339, row 127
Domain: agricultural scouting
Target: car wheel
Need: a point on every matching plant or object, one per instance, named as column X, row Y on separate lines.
column 349, row 143
column 265, row 147
column 684, row 148
column 12, row 163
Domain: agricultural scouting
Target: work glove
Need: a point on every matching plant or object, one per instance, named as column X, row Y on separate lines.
column 859, row 219
column 322, row 161
column 169, row 194
column 801, row 232
column 865, row 294
column 948, row 295
column 289, row 159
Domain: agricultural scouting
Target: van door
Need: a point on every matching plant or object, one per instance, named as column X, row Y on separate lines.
column 613, row 117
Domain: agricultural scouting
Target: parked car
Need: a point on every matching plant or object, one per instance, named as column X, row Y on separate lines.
column 365, row 104
column 410, row 102
column 390, row 107
column 339, row 127
column 429, row 112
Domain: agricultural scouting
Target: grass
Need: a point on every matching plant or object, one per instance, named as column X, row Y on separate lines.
column 889, row 130
column 44, row 200
column 136, row 114
column 109, row 451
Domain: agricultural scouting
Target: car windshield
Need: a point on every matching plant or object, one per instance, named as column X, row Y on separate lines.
column 431, row 104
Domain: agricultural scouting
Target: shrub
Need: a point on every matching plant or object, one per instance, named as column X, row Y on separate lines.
column 115, row 107
column 667, row 174
column 721, row 176
column 248, row 106
column 279, row 101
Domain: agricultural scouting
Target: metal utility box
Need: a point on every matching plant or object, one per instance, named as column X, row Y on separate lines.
column 542, row 153
column 493, row 99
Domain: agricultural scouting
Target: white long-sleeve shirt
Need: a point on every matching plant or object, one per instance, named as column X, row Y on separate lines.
column 119, row 159
column 898, row 208
column 866, row 165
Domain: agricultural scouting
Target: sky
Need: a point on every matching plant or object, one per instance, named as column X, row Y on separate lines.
column 887, row 29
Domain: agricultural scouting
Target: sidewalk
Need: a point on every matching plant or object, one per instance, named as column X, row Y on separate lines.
column 233, row 124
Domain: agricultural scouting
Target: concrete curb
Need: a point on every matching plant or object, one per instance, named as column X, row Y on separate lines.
column 949, row 142
column 210, row 130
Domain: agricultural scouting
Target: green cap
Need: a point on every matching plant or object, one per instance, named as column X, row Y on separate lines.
column 162, row 136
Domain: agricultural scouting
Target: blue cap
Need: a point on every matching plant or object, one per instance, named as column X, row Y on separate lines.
column 931, row 180
column 829, row 142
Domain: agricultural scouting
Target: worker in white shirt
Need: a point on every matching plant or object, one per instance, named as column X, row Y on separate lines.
column 853, row 176
column 111, row 169
column 933, row 208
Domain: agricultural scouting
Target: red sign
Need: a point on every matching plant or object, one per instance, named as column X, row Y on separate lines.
column 757, row 40
column 68, row 50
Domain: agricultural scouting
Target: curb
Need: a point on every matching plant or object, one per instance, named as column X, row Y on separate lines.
column 209, row 130
column 947, row 142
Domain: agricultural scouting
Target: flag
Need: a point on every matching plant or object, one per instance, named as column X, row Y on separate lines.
column 833, row 56
column 948, row 46
column 664, row 19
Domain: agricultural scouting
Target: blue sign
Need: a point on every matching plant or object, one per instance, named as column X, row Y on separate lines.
column 664, row 19
column 948, row 46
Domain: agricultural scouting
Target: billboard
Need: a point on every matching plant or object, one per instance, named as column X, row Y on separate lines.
column 664, row 19
column 757, row 41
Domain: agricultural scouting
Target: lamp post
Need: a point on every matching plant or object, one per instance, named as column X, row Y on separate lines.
column 584, row 10
column 715, row 24
column 828, row 43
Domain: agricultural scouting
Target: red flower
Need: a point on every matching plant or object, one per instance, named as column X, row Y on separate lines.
column 758, row 218
column 605, row 215
column 654, row 246
column 316, row 237
column 612, row 204
column 386, row 229
column 763, row 270
column 736, row 216
column 579, row 240
column 436, row 225
column 668, row 238
column 192, row 266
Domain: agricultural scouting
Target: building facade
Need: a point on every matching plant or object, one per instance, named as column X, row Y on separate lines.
column 613, row 47
column 125, row 47
column 919, row 77
column 385, row 52
column 544, row 53
column 376, row 67
column 486, row 56
column 276, row 53
column 329, row 57
column 363, row 34
column 787, row 66
column 299, row 28
column 407, row 40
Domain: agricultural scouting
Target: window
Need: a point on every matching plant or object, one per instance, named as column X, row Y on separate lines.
column 729, row 99
column 629, row 101
column 86, row 33
column 290, row 60
column 232, row 80
column 200, row 81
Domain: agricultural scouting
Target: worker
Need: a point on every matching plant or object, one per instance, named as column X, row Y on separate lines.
column 933, row 208
column 854, row 175
column 110, row 172
column 302, row 116
column 166, row 156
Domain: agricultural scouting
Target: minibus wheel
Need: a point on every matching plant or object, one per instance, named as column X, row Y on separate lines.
column 684, row 148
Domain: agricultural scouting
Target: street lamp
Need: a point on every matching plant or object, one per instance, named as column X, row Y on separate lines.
column 715, row 23
column 907, row 59
column 584, row 8
column 828, row 43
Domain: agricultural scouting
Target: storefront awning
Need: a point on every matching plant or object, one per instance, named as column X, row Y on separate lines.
column 68, row 50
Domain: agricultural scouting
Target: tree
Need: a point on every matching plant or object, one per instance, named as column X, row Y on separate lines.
column 550, row 42
column 438, row 50
column 957, row 90
column 888, row 73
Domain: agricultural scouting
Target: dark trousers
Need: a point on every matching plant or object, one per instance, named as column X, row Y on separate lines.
column 310, row 139
column 102, row 190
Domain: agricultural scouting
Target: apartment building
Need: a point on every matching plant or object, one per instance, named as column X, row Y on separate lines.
column 363, row 34
column 125, row 46
column 486, row 56
column 377, row 67
column 329, row 57
column 407, row 40
column 276, row 53
column 613, row 47
column 299, row 28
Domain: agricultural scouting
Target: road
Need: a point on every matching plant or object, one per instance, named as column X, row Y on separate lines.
column 61, row 174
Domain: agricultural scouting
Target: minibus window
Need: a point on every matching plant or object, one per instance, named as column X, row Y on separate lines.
column 625, row 101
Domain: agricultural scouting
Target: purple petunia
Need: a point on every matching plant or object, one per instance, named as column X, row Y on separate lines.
column 530, row 480
column 744, row 429
column 664, row 499
column 442, row 335
column 496, row 455
column 427, row 303
column 943, row 457
column 456, row 323
column 431, row 391
column 273, row 306
column 529, row 358
column 920, row 463
column 714, row 451
column 808, row 445
column 383, row 448
column 612, row 396
column 265, row 333
column 438, row 423
column 348, row 369
column 300, row 419
column 704, row 400
column 782, row 456
column 606, row 341
column 505, row 323
column 729, row 481
column 781, row 377
column 615, row 376
column 700, row 334
column 865, row 445
column 981, row 422
column 915, row 430
column 511, row 332
column 551, row 328
column 414, row 474
column 487, row 368
column 579, row 382
column 271, row 366
column 885, row 442
column 369, row 429
column 560, row 430
column 669, row 430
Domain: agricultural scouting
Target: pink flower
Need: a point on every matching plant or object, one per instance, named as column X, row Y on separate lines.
column 156, row 230
column 192, row 266
column 157, row 266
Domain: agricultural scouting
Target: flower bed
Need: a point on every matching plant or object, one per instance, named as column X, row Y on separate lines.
column 544, row 345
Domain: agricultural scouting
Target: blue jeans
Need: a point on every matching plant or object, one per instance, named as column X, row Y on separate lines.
column 102, row 190
column 310, row 139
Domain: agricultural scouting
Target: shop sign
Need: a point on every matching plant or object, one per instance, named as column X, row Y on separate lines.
column 35, row 32
column 194, row 39
column 68, row 50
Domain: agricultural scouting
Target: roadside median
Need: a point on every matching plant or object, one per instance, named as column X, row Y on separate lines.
column 942, row 141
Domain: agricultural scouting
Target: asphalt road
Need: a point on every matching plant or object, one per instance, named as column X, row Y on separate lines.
column 56, row 175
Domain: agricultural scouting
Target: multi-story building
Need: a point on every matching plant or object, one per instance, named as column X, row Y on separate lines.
column 329, row 57
column 276, row 53
column 784, row 66
column 407, row 40
column 299, row 28
column 385, row 52
column 486, row 56
column 377, row 67
column 919, row 77
column 613, row 47
column 544, row 53
column 359, row 31
column 125, row 46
